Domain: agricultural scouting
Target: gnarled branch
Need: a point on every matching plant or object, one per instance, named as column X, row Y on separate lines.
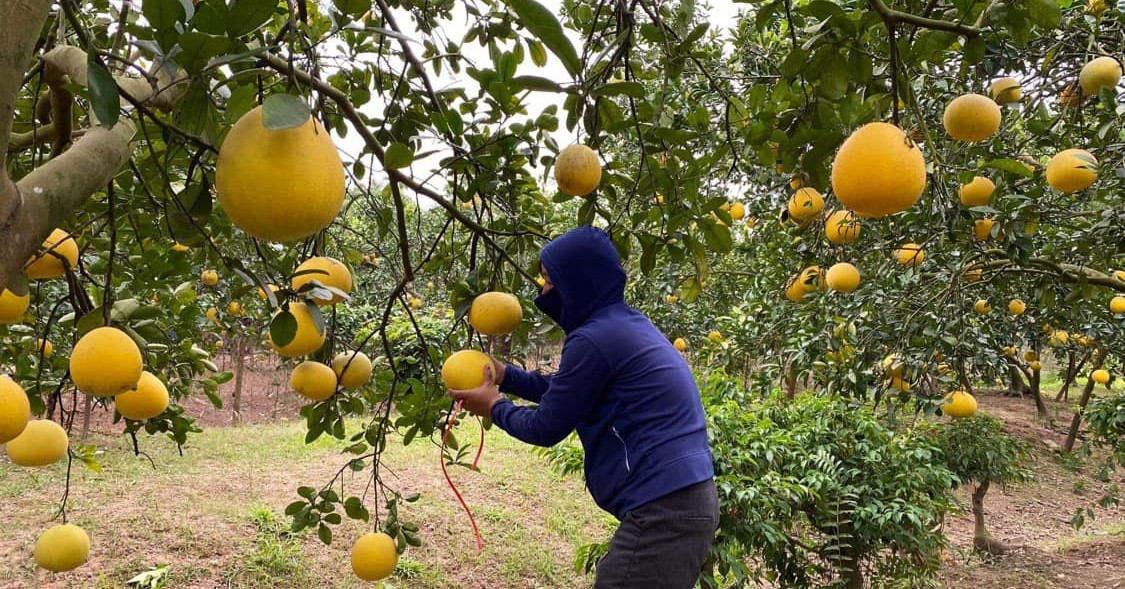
column 893, row 17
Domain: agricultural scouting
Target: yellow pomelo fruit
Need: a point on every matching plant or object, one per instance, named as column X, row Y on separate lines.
column 374, row 556
column 13, row 306
column 577, row 170
column 737, row 211
column 1058, row 338
column 1005, row 90
column 1016, row 307
column 1095, row 7
column 971, row 117
column 1098, row 73
column 974, row 274
column 897, row 383
column 715, row 336
column 680, row 344
column 44, row 347
column 959, row 404
column 1010, row 351
column 15, row 409
column 794, row 290
column 147, row 401
column 1072, row 170
column 495, row 313
column 1117, row 305
column 1035, row 365
column 982, row 229
column 313, row 380
column 62, row 548
column 234, row 308
column 47, row 264
column 1030, row 356
column 328, row 272
column 1100, row 376
column 179, row 247
column 308, row 338
column 212, row 314
column 978, row 192
column 209, row 277
column 358, row 370
column 672, row 299
column 1119, row 274
column 893, row 365
column 812, row 278
column 105, row 362
column 842, row 227
column 41, row 443
column 464, row 370
column 982, row 307
column 279, row 185
column 878, row 171
column 843, row 277
column 805, row 204
column 910, row 254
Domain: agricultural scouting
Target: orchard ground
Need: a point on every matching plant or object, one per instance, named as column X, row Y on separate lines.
column 214, row 517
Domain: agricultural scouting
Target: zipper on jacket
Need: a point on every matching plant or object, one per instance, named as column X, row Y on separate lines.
column 626, row 448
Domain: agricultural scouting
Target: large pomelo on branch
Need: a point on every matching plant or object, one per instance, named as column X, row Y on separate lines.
column 465, row 369
column 495, row 313
column 106, row 362
column 577, row 170
column 971, row 117
column 878, row 171
column 1072, row 170
column 279, row 185
column 15, row 409
column 328, row 272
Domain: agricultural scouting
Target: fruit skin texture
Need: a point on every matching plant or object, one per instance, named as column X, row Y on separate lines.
column 358, row 370
column 842, row 227
column 805, row 204
column 1035, row 365
column 41, row 443
column 1005, row 90
column 105, row 362
column 982, row 307
column 737, row 211
column 61, row 548
column 15, row 409
column 44, row 346
column 1117, row 305
column 910, row 254
column 1070, row 170
column 795, row 290
column 974, row 274
column 843, row 277
column 48, row 265
column 279, row 185
column 374, row 556
column 878, row 171
column 464, row 370
column 577, row 170
column 1098, row 73
column 1016, row 307
column 971, row 117
column 959, row 404
column 327, row 271
column 149, row 400
column 982, row 229
column 1100, row 376
column 313, row 380
column 978, row 192
column 495, row 313
column 715, row 336
column 680, row 344
column 209, row 277
column 308, row 338
column 13, row 306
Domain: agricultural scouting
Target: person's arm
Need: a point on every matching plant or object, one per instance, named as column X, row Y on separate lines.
column 571, row 395
column 522, row 383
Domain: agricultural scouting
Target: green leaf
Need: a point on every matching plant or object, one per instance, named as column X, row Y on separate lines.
column 324, row 533
column 545, row 26
column 352, row 8
column 163, row 14
column 834, row 81
column 1009, row 165
column 103, row 92
column 399, row 155
column 247, row 15
column 535, row 83
column 634, row 89
column 1046, row 14
column 283, row 328
column 538, row 53
column 717, row 237
column 197, row 49
column 284, row 111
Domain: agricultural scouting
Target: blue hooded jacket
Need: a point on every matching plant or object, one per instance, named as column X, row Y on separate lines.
column 620, row 384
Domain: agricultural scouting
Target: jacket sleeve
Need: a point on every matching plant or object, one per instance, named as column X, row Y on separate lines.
column 571, row 396
column 524, row 384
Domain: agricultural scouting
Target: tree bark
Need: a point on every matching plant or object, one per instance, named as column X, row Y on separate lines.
column 21, row 22
column 237, row 350
column 1016, row 386
column 1040, row 407
column 982, row 540
column 1087, row 392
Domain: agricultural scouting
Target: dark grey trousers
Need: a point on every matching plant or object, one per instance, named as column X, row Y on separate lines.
column 662, row 544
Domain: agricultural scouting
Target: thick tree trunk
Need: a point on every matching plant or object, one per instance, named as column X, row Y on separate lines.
column 1016, row 386
column 1040, row 407
column 1087, row 392
column 237, row 351
column 1071, row 374
column 982, row 540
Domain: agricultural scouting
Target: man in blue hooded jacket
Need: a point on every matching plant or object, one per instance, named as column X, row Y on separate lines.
column 634, row 403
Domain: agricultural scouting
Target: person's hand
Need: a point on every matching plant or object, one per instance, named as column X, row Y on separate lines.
column 479, row 400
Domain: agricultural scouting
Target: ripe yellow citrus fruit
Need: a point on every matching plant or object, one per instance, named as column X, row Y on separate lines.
column 212, row 314
column 13, row 306
column 577, row 170
column 495, row 313
column 715, row 336
column 959, row 404
column 1098, row 73
column 44, row 347
column 415, row 303
column 1010, row 351
column 358, row 370
column 897, row 383
column 1016, row 307
column 105, row 362
column 737, row 211
column 1072, row 170
column 982, row 307
column 41, row 443
column 672, row 299
column 465, row 369
column 1030, row 355
column 279, row 185
column 234, row 308
column 1117, row 305
column 751, row 222
column 47, row 263
column 978, row 192
column 1005, row 90
column 1100, row 376
column 893, row 365
column 878, row 171
column 313, row 380
column 1119, row 274
column 971, row 117
column 974, row 274
column 61, row 548
column 843, row 277
column 842, row 227
column 910, row 254
column 1035, row 365
column 179, row 247
column 805, row 204
column 795, row 290
column 680, row 344
column 209, row 277
column 309, row 337
column 1058, row 338
column 374, row 556
column 1095, row 7
column 15, row 409
column 982, row 229
column 812, row 278
column 147, row 401
column 328, row 272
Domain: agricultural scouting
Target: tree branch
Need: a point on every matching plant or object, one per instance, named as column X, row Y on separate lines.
column 892, row 17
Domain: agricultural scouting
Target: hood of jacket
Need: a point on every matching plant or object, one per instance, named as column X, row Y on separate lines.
column 586, row 273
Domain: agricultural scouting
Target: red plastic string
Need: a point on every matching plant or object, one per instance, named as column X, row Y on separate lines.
column 465, row 506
